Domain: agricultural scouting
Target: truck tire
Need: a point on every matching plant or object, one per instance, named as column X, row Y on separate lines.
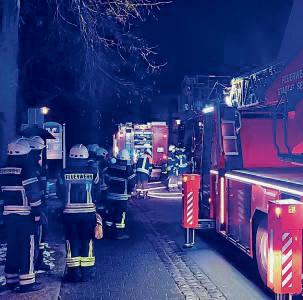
column 261, row 249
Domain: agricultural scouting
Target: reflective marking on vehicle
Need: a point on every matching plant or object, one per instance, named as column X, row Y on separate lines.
column 287, row 252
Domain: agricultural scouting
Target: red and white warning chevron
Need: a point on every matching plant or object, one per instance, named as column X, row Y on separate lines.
column 287, row 256
column 190, row 208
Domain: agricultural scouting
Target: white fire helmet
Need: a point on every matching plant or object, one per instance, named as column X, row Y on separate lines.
column 102, row 152
column 113, row 160
column 78, row 151
column 172, row 148
column 36, row 143
column 92, row 147
column 124, row 155
column 148, row 151
column 18, row 147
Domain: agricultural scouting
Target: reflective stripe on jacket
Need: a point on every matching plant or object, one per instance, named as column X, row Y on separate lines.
column 20, row 188
column 144, row 165
column 120, row 179
column 78, row 180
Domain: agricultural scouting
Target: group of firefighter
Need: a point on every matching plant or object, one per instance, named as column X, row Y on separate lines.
column 95, row 188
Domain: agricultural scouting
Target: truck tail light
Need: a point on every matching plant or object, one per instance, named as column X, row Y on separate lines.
column 278, row 212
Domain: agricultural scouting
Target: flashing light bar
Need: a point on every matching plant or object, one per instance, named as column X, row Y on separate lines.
column 208, row 109
column 265, row 184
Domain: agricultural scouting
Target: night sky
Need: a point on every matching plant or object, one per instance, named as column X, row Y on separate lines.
column 216, row 37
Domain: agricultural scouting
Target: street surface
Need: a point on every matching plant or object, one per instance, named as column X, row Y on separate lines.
column 152, row 264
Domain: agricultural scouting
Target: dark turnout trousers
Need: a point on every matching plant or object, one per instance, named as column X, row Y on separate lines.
column 116, row 217
column 19, row 265
column 79, row 233
column 142, row 181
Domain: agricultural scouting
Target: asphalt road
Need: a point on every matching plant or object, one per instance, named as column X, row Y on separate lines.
column 227, row 267
column 153, row 265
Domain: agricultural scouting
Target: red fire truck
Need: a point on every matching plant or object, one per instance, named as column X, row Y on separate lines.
column 137, row 137
column 253, row 156
column 252, row 170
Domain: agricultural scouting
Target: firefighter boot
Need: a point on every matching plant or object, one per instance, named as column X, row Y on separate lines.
column 7, row 288
column 40, row 264
column 120, row 234
column 73, row 275
column 34, row 287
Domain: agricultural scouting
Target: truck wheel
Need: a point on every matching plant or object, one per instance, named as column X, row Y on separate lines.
column 261, row 249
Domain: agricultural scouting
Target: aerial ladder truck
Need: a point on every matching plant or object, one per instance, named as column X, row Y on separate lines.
column 252, row 169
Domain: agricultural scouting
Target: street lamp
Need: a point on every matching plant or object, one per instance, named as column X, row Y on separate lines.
column 178, row 122
column 44, row 110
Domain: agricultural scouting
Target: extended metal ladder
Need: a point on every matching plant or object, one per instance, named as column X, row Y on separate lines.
column 230, row 139
column 230, row 124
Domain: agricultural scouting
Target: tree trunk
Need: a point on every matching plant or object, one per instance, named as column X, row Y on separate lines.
column 9, row 21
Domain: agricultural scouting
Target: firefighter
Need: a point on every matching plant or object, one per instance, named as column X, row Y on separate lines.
column 79, row 214
column 183, row 162
column 143, row 170
column 21, row 194
column 120, row 179
column 102, row 158
column 172, row 169
column 37, row 145
column 92, row 151
column 93, row 161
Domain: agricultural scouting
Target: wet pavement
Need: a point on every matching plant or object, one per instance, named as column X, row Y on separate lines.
column 152, row 264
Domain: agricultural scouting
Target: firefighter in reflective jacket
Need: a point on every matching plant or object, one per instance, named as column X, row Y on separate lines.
column 21, row 194
column 172, row 168
column 92, row 154
column 79, row 214
column 182, row 161
column 143, row 170
column 102, row 159
column 120, row 179
column 37, row 145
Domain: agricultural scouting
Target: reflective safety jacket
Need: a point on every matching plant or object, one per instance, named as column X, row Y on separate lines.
column 20, row 188
column 182, row 160
column 144, row 165
column 78, row 180
column 172, row 163
column 120, row 180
